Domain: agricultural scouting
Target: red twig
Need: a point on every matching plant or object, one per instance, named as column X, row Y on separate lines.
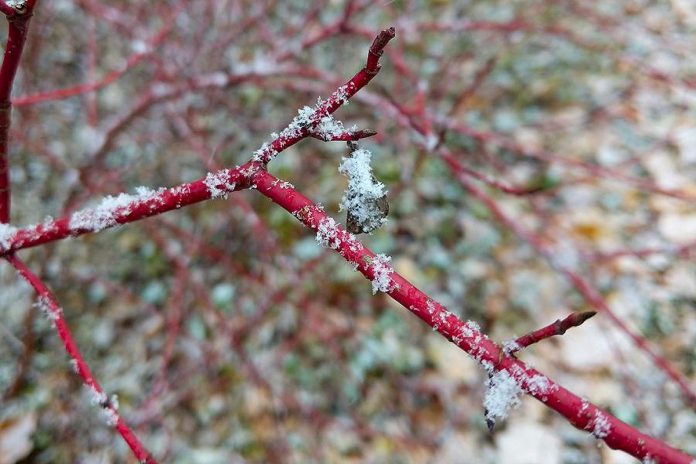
column 558, row 327
column 466, row 335
column 17, row 34
column 49, row 304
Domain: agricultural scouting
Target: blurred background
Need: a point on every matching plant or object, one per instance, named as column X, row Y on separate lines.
column 540, row 158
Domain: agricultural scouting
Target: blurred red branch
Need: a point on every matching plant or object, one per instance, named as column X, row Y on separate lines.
column 559, row 327
column 53, row 310
column 16, row 36
column 467, row 336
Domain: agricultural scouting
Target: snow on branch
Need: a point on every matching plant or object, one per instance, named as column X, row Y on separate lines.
column 365, row 197
column 105, row 214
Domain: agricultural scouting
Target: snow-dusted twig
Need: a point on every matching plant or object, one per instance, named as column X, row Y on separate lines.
column 50, row 306
column 559, row 327
column 467, row 336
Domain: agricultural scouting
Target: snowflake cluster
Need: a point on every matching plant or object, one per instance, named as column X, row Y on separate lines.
column 6, row 233
column 327, row 234
column 600, row 425
column 307, row 117
column 44, row 304
column 502, row 395
column 511, row 346
column 97, row 397
column 111, row 412
column 106, row 213
column 361, row 197
column 382, row 270
column 218, row 183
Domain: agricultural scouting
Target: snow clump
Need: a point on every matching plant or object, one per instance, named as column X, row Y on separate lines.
column 364, row 199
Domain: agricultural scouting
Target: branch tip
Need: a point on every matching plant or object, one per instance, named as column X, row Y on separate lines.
column 377, row 48
column 558, row 327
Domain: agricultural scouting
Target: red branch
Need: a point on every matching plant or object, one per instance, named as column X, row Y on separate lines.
column 48, row 303
column 466, row 335
column 558, row 327
column 17, row 34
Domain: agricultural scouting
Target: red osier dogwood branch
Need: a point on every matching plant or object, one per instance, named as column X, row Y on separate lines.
column 501, row 364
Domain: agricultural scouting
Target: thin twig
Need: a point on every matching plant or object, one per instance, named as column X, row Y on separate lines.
column 558, row 327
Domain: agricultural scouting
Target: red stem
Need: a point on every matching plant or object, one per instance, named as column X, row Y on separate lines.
column 55, row 313
column 17, row 34
column 466, row 335
column 558, row 327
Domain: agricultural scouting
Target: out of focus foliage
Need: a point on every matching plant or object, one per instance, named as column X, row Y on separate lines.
column 230, row 336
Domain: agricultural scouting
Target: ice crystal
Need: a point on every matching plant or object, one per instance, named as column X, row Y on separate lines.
column 511, row 346
column 110, row 416
column 538, row 384
column 111, row 411
column 97, row 397
column 106, row 214
column 328, row 128
column 502, row 394
column 362, row 199
column 6, row 233
column 44, row 304
column 600, row 425
column 218, row 183
column 382, row 271
column 327, row 233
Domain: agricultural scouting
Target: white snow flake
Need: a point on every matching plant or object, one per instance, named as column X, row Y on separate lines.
column 6, row 233
column 218, row 183
column 327, row 234
column 382, row 270
column 328, row 128
column 502, row 394
column 600, row 425
column 360, row 198
column 105, row 214
column 44, row 304
column 96, row 397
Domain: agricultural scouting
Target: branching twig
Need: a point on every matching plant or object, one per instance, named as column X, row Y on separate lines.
column 558, row 327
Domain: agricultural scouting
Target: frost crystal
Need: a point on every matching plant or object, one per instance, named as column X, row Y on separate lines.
column 503, row 394
column 111, row 411
column 329, row 128
column 511, row 346
column 110, row 416
column 97, row 397
column 218, row 183
column 600, row 425
column 6, row 233
column 538, row 384
column 327, row 234
column 382, row 270
column 44, row 304
column 362, row 197
column 107, row 212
